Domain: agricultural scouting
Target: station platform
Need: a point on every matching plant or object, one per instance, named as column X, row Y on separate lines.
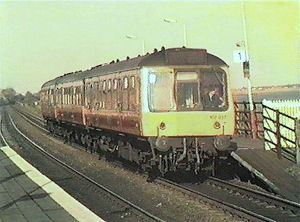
column 28, row 195
column 281, row 175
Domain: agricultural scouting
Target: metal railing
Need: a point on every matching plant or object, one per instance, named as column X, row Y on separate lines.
column 243, row 120
column 275, row 128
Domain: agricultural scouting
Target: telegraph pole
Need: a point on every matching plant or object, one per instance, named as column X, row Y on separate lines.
column 246, row 70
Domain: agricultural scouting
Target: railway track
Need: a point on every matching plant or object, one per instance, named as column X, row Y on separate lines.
column 258, row 205
column 247, row 203
column 133, row 212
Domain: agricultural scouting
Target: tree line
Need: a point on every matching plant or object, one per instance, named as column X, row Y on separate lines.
column 10, row 96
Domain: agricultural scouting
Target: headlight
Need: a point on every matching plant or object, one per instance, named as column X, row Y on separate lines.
column 162, row 144
column 221, row 143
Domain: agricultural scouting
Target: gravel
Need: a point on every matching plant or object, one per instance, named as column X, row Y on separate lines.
column 168, row 204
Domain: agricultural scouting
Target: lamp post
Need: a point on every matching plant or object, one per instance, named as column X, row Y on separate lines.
column 134, row 37
column 246, row 69
column 167, row 20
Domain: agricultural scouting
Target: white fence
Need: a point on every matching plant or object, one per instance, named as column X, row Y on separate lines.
column 289, row 107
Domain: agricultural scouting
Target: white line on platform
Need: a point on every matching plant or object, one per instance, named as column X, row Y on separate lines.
column 71, row 205
column 75, row 208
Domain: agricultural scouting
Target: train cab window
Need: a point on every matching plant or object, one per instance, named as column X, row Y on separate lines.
column 160, row 94
column 188, row 91
column 214, row 90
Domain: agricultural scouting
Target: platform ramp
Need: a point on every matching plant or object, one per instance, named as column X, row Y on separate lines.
column 282, row 175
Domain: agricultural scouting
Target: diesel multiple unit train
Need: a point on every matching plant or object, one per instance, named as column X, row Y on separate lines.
column 168, row 110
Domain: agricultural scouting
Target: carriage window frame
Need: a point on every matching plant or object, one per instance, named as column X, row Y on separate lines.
column 132, row 81
column 104, row 85
column 109, row 85
column 115, row 84
column 126, row 82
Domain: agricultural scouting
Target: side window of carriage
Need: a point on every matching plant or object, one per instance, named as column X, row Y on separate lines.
column 132, row 93
column 87, row 94
column 109, row 94
column 125, row 93
column 104, row 86
column 68, row 95
column 115, row 84
column 100, row 92
column 74, row 102
column 125, row 82
column 109, row 85
column 132, row 82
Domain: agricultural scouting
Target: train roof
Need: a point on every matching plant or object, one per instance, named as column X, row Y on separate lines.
column 165, row 57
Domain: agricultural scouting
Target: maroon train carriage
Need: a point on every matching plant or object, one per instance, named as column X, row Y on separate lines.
column 166, row 110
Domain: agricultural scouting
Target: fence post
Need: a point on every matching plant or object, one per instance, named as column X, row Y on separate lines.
column 297, row 128
column 278, row 136
column 253, row 122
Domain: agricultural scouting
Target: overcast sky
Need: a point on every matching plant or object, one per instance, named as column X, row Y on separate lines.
column 42, row 40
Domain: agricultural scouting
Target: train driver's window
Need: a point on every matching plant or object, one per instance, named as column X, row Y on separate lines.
column 214, row 90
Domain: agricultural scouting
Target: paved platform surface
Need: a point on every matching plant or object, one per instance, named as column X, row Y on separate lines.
column 277, row 173
column 22, row 199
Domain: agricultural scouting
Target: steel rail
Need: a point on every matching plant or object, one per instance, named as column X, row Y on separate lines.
column 279, row 199
column 1, row 135
column 25, row 117
column 235, row 207
column 84, row 176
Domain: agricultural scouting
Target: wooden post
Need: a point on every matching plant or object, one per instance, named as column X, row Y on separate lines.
column 253, row 123
column 297, row 128
column 278, row 135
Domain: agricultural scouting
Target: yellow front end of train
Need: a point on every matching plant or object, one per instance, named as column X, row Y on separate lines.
column 189, row 101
